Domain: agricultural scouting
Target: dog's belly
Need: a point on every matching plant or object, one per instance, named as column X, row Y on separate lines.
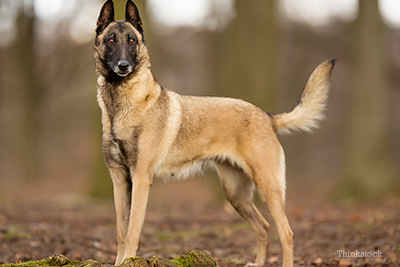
column 187, row 166
column 182, row 170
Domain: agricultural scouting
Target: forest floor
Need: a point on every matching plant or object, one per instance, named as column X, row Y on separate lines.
column 191, row 215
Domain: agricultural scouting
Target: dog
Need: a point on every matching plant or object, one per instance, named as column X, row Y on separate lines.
column 151, row 132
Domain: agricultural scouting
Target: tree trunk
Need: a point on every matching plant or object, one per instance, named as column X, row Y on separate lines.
column 369, row 165
column 28, row 94
column 246, row 54
column 255, row 52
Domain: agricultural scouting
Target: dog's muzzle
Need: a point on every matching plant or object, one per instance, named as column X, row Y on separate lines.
column 123, row 68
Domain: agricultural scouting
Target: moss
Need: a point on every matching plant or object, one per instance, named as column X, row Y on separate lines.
column 27, row 264
column 91, row 263
column 56, row 260
column 195, row 258
column 190, row 259
column 177, row 235
column 164, row 237
column 16, row 232
column 241, row 226
column 159, row 262
column 134, row 262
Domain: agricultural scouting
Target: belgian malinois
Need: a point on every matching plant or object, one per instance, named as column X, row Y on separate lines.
column 150, row 132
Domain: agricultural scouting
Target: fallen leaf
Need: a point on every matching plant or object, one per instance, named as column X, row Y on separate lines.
column 345, row 263
column 356, row 217
column 318, row 260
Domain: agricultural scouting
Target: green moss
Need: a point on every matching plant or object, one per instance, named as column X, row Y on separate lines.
column 16, row 232
column 134, row 262
column 52, row 261
column 58, row 260
column 159, row 262
column 190, row 259
column 27, row 264
column 241, row 226
column 164, row 237
column 195, row 259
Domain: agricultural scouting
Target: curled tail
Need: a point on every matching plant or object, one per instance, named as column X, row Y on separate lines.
column 308, row 111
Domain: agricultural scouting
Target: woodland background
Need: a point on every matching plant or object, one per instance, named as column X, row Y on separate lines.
column 50, row 129
column 343, row 180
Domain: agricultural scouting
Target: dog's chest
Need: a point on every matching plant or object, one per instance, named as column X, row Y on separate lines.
column 115, row 151
column 122, row 146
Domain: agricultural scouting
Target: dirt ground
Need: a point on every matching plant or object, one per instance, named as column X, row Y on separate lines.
column 192, row 215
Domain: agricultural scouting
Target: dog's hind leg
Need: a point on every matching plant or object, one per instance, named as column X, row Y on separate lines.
column 270, row 184
column 239, row 191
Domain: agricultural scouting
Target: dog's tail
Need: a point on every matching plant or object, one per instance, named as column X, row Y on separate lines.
column 308, row 111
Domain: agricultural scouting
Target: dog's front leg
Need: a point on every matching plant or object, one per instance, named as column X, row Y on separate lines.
column 122, row 200
column 141, row 184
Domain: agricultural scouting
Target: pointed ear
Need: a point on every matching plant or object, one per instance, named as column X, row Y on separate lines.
column 106, row 16
column 132, row 15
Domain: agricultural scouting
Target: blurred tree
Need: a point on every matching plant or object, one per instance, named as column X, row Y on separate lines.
column 28, row 94
column 246, row 54
column 119, row 6
column 369, row 165
column 42, row 74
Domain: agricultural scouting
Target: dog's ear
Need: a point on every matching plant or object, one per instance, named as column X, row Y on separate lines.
column 132, row 15
column 106, row 16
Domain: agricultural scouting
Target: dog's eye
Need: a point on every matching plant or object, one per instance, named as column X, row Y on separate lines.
column 131, row 41
column 111, row 41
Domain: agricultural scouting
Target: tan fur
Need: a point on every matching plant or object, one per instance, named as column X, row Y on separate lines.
column 150, row 132
column 309, row 112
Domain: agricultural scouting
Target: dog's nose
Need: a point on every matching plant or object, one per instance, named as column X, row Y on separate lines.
column 123, row 65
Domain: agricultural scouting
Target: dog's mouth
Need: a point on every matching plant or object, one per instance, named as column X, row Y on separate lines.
column 122, row 73
column 123, row 68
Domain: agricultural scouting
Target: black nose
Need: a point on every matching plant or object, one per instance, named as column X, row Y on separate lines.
column 123, row 65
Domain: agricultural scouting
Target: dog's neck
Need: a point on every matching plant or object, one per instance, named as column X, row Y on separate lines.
column 130, row 94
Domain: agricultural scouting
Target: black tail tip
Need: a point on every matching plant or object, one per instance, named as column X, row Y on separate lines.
column 333, row 61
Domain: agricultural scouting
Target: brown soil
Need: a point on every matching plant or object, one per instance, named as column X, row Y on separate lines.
column 191, row 215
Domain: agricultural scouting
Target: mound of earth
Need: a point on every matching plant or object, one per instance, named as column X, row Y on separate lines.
column 193, row 258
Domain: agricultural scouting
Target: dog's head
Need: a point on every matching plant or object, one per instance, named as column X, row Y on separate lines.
column 120, row 49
